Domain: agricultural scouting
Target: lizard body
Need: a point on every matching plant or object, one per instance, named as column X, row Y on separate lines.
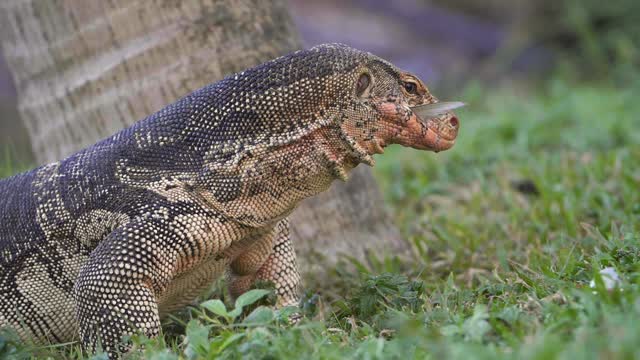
column 107, row 241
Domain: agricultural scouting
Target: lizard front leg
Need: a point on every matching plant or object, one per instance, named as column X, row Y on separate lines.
column 116, row 289
column 271, row 258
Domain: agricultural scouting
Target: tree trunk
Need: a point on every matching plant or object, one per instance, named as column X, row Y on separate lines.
column 85, row 69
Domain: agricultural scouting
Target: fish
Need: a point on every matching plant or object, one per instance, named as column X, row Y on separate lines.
column 428, row 111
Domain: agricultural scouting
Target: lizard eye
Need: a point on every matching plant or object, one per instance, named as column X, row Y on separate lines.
column 411, row 87
column 363, row 83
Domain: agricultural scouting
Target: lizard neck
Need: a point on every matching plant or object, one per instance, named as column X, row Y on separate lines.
column 251, row 168
column 260, row 185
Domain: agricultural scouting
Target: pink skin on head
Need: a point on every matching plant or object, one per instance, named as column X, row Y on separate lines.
column 402, row 126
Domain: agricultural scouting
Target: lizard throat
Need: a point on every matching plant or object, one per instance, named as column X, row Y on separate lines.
column 339, row 157
column 356, row 151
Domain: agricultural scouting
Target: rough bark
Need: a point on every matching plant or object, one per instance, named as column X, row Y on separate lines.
column 85, row 69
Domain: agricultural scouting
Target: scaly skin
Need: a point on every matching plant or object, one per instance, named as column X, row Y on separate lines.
column 107, row 241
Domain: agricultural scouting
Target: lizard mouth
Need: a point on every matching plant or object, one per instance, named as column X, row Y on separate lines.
column 418, row 131
column 435, row 134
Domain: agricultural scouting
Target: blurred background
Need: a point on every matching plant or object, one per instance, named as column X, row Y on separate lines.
column 504, row 232
column 452, row 44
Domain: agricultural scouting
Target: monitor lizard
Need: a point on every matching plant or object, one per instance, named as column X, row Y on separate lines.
column 109, row 240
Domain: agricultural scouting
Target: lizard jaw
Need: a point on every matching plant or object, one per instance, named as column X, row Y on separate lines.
column 434, row 134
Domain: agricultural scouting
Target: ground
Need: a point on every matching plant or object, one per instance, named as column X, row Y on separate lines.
column 508, row 229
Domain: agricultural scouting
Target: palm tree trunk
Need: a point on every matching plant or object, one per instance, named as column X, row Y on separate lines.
column 85, row 69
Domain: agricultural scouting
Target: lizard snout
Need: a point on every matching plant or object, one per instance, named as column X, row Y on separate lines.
column 441, row 132
column 436, row 133
column 441, row 124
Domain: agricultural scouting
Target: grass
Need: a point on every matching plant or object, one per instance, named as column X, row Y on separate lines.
column 509, row 228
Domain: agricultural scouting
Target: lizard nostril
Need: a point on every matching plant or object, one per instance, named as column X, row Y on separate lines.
column 454, row 121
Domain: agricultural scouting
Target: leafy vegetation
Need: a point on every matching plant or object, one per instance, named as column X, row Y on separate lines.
column 508, row 229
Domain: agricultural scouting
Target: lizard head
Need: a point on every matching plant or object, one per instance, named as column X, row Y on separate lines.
column 348, row 104
column 389, row 106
